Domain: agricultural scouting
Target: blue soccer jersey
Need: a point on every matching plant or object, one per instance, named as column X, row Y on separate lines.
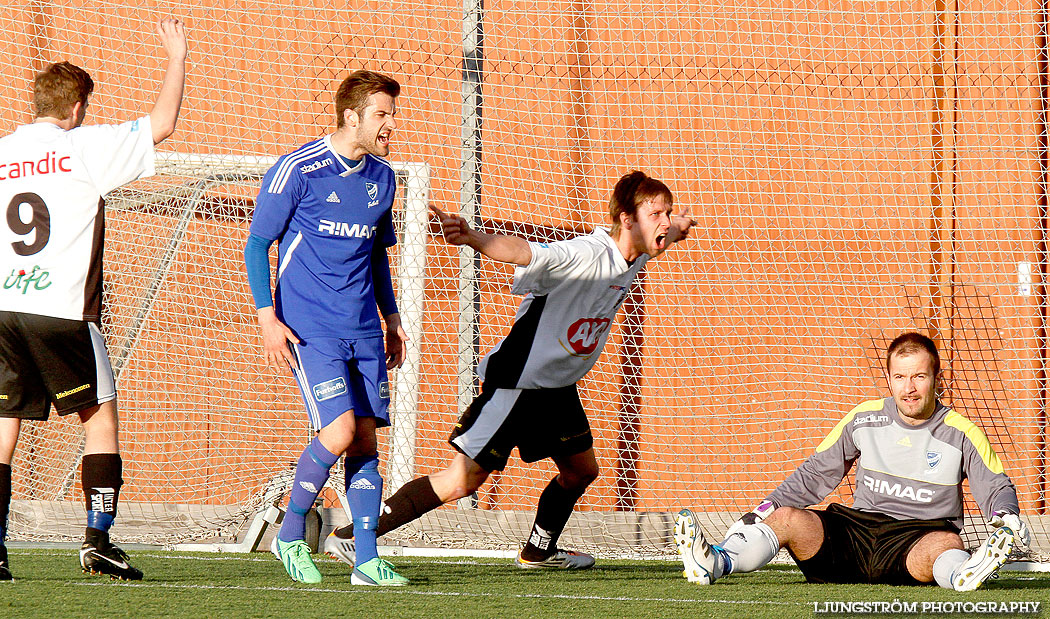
column 327, row 218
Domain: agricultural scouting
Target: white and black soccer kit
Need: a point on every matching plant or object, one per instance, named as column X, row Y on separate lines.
column 51, row 187
column 528, row 398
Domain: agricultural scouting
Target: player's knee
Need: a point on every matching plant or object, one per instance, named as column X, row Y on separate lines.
column 790, row 516
column 939, row 541
column 578, row 480
column 787, row 521
column 464, row 485
column 362, row 446
column 462, row 490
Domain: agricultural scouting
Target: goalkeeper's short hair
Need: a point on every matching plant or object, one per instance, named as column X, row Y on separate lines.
column 912, row 342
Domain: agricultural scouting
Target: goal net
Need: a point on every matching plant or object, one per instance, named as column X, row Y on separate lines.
column 855, row 170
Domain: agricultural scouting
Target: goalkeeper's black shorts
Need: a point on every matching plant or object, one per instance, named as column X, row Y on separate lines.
column 866, row 547
column 541, row 423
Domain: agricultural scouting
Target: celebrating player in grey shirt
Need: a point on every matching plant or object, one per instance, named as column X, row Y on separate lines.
column 912, row 454
column 528, row 395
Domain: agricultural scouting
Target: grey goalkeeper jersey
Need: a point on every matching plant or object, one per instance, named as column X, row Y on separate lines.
column 903, row 471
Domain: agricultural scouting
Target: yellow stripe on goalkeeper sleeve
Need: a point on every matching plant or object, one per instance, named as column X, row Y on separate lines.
column 977, row 438
column 867, row 407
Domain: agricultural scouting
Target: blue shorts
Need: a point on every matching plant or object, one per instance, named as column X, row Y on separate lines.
column 336, row 376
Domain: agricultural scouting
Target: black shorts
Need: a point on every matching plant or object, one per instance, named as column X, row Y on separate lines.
column 45, row 361
column 541, row 423
column 866, row 548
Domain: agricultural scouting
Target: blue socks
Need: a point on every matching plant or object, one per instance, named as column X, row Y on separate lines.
column 364, row 495
column 310, row 477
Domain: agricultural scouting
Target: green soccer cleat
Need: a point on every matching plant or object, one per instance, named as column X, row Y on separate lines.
column 377, row 572
column 297, row 561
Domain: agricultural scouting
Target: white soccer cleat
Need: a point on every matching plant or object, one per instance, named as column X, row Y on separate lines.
column 341, row 549
column 699, row 559
column 985, row 561
column 560, row 560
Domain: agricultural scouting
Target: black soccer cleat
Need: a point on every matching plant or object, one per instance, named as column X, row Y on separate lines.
column 105, row 558
column 5, row 567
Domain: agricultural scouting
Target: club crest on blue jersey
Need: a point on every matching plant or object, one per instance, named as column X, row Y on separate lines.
column 933, row 458
column 329, row 389
column 373, row 192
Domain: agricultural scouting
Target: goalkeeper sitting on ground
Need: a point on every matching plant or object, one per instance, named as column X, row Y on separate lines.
column 912, row 454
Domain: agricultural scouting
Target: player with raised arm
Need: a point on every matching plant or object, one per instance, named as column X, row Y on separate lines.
column 53, row 176
column 912, row 454
column 328, row 205
column 529, row 397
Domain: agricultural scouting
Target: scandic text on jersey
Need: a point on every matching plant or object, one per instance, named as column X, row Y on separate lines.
column 48, row 165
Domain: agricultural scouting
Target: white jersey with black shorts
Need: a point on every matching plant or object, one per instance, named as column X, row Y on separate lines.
column 529, row 398
column 51, row 187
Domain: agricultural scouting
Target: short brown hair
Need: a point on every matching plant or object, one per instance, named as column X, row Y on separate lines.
column 910, row 343
column 355, row 90
column 631, row 190
column 58, row 88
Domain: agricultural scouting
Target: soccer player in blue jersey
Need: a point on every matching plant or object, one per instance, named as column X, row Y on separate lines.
column 328, row 206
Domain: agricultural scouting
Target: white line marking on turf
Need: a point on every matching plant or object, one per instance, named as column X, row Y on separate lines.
column 317, row 559
column 261, row 557
column 403, row 591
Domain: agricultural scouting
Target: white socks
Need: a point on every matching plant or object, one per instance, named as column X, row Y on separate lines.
column 946, row 564
column 750, row 548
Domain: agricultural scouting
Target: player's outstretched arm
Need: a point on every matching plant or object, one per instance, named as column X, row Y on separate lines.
column 680, row 226
column 500, row 247
column 165, row 112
